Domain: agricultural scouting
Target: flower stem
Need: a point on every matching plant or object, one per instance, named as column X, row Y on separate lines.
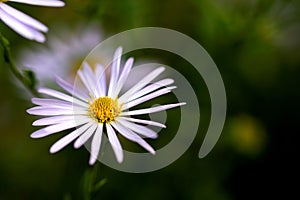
column 90, row 185
column 27, row 77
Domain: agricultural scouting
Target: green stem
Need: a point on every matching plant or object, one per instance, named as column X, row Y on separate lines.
column 90, row 183
column 25, row 80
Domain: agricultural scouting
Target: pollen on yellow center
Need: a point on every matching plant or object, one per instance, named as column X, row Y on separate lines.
column 104, row 109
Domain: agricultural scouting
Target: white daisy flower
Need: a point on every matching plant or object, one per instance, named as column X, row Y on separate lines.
column 95, row 108
column 62, row 54
column 23, row 24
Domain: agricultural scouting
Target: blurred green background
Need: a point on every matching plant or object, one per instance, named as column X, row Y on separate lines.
column 255, row 44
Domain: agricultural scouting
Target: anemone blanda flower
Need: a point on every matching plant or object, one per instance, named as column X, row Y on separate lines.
column 62, row 54
column 98, row 108
column 23, row 24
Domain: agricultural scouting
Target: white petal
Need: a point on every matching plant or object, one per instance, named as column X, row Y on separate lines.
column 84, row 137
column 50, row 3
column 114, row 71
column 142, row 130
column 142, row 121
column 132, row 136
column 62, row 96
column 24, row 30
column 115, row 143
column 69, row 88
column 151, row 110
column 101, row 79
column 96, row 143
column 52, row 111
column 87, row 83
column 61, row 106
column 147, row 97
column 84, row 81
column 123, row 77
column 57, row 146
column 90, row 78
column 88, row 71
column 57, row 128
column 141, row 84
column 152, row 87
column 57, row 120
column 25, row 19
column 46, row 102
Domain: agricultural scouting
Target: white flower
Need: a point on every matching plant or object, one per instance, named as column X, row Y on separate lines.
column 97, row 108
column 24, row 24
column 62, row 54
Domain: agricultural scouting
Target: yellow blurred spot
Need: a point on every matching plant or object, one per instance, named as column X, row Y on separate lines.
column 247, row 135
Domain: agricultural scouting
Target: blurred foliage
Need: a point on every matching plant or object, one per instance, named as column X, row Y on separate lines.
column 255, row 44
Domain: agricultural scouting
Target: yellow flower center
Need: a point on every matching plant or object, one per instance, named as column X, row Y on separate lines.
column 104, row 109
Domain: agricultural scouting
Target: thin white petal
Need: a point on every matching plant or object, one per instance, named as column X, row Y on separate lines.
column 151, row 88
column 22, row 29
column 50, row 3
column 87, row 83
column 142, row 130
column 61, row 106
column 101, row 79
column 57, row 128
column 69, row 88
column 55, row 106
column 151, row 110
column 96, row 144
column 57, row 120
column 62, row 96
column 85, row 136
column 132, row 136
column 141, row 84
column 84, row 81
column 52, row 111
column 45, row 102
column 57, row 146
column 90, row 78
column 115, row 143
column 142, row 121
column 123, row 77
column 25, row 19
column 147, row 97
column 114, row 71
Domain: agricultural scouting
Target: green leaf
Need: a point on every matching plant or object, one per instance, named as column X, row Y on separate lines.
column 6, row 47
column 87, row 181
column 99, row 184
column 31, row 78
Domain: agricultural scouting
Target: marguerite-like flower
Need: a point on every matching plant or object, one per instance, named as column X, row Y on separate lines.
column 62, row 54
column 23, row 24
column 98, row 107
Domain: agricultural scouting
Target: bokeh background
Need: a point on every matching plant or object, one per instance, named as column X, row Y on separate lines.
column 255, row 44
